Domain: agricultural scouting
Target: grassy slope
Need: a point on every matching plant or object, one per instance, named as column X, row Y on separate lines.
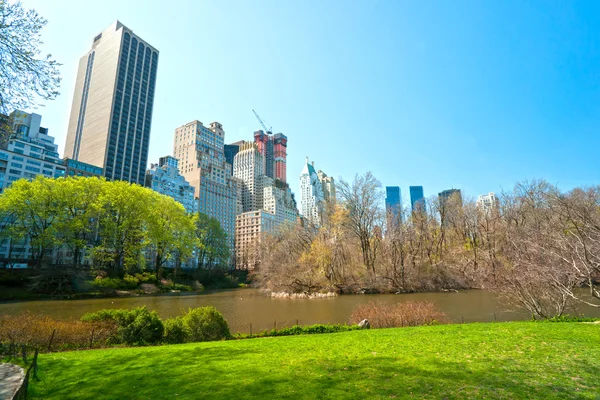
column 504, row 360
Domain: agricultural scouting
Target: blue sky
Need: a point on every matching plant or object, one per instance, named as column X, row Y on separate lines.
column 475, row 95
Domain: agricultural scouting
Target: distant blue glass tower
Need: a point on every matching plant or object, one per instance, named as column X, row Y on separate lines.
column 393, row 204
column 417, row 199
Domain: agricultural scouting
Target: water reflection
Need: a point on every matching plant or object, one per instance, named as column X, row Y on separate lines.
column 242, row 307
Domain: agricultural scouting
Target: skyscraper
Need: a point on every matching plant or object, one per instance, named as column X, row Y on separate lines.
column 449, row 194
column 202, row 163
column 230, row 151
column 328, row 185
column 450, row 202
column 29, row 152
column 274, row 150
column 248, row 168
column 312, row 199
column 393, row 205
column 165, row 178
column 488, row 203
column 111, row 113
column 417, row 199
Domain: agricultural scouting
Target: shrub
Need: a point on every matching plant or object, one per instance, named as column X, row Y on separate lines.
column 114, row 283
column 206, row 324
column 149, row 288
column 410, row 313
column 176, row 331
column 35, row 331
column 135, row 327
column 569, row 318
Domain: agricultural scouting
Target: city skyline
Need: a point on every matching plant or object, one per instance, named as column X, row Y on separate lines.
column 537, row 104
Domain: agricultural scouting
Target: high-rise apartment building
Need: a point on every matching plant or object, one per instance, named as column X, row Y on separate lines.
column 417, row 199
column 279, row 201
column 450, row 201
column 165, row 178
column 230, row 151
column 200, row 151
column 30, row 151
column 328, row 186
column 274, row 150
column 312, row 199
column 488, row 203
column 250, row 228
column 111, row 113
column 448, row 194
column 393, row 205
column 248, row 168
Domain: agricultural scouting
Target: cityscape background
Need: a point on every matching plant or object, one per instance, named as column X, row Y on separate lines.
column 471, row 95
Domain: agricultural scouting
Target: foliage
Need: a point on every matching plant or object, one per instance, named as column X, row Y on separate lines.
column 36, row 331
column 301, row 330
column 213, row 251
column 24, row 74
column 495, row 360
column 410, row 313
column 176, row 331
column 569, row 318
column 206, row 324
column 536, row 247
column 135, row 327
column 115, row 226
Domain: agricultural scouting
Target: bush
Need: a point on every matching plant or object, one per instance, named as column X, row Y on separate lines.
column 135, row 327
column 410, row 313
column 206, row 324
column 35, row 331
column 569, row 318
column 176, row 331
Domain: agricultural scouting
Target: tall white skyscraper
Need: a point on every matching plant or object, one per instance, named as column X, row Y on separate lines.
column 311, row 196
column 487, row 203
column 111, row 113
column 200, row 151
column 248, row 166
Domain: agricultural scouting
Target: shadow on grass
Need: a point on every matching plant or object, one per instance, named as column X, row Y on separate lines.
column 223, row 372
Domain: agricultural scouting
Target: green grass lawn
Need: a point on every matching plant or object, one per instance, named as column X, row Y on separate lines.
column 496, row 360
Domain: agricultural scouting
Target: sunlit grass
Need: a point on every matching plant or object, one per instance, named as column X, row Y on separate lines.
column 503, row 360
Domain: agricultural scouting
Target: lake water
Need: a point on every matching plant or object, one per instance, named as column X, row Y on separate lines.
column 242, row 307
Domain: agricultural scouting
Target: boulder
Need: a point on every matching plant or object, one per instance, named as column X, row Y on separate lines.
column 364, row 324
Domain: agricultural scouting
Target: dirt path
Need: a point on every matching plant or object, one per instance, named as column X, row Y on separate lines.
column 11, row 378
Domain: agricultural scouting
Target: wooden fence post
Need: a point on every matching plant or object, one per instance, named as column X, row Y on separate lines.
column 250, row 328
column 24, row 354
column 34, row 364
column 51, row 339
column 92, row 339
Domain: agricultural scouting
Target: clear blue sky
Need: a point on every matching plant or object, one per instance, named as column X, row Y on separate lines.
column 475, row 95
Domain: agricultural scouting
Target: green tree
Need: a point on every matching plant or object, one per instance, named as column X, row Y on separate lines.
column 78, row 225
column 36, row 208
column 122, row 223
column 24, row 74
column 170, row 230
column 212, row 242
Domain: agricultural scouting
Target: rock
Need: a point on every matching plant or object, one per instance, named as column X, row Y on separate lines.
column 364, row 324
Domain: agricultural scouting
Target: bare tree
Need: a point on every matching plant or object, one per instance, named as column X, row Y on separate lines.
column 363, row 200
column 24, row 73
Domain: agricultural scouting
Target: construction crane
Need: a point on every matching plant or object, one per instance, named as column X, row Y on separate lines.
column 269, row 131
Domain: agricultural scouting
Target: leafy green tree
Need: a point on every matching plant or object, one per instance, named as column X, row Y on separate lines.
column 24, row 73
column 212, row 242
column 36, row 208
column 170, row 230
column 78, row 225
column 121, row 224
